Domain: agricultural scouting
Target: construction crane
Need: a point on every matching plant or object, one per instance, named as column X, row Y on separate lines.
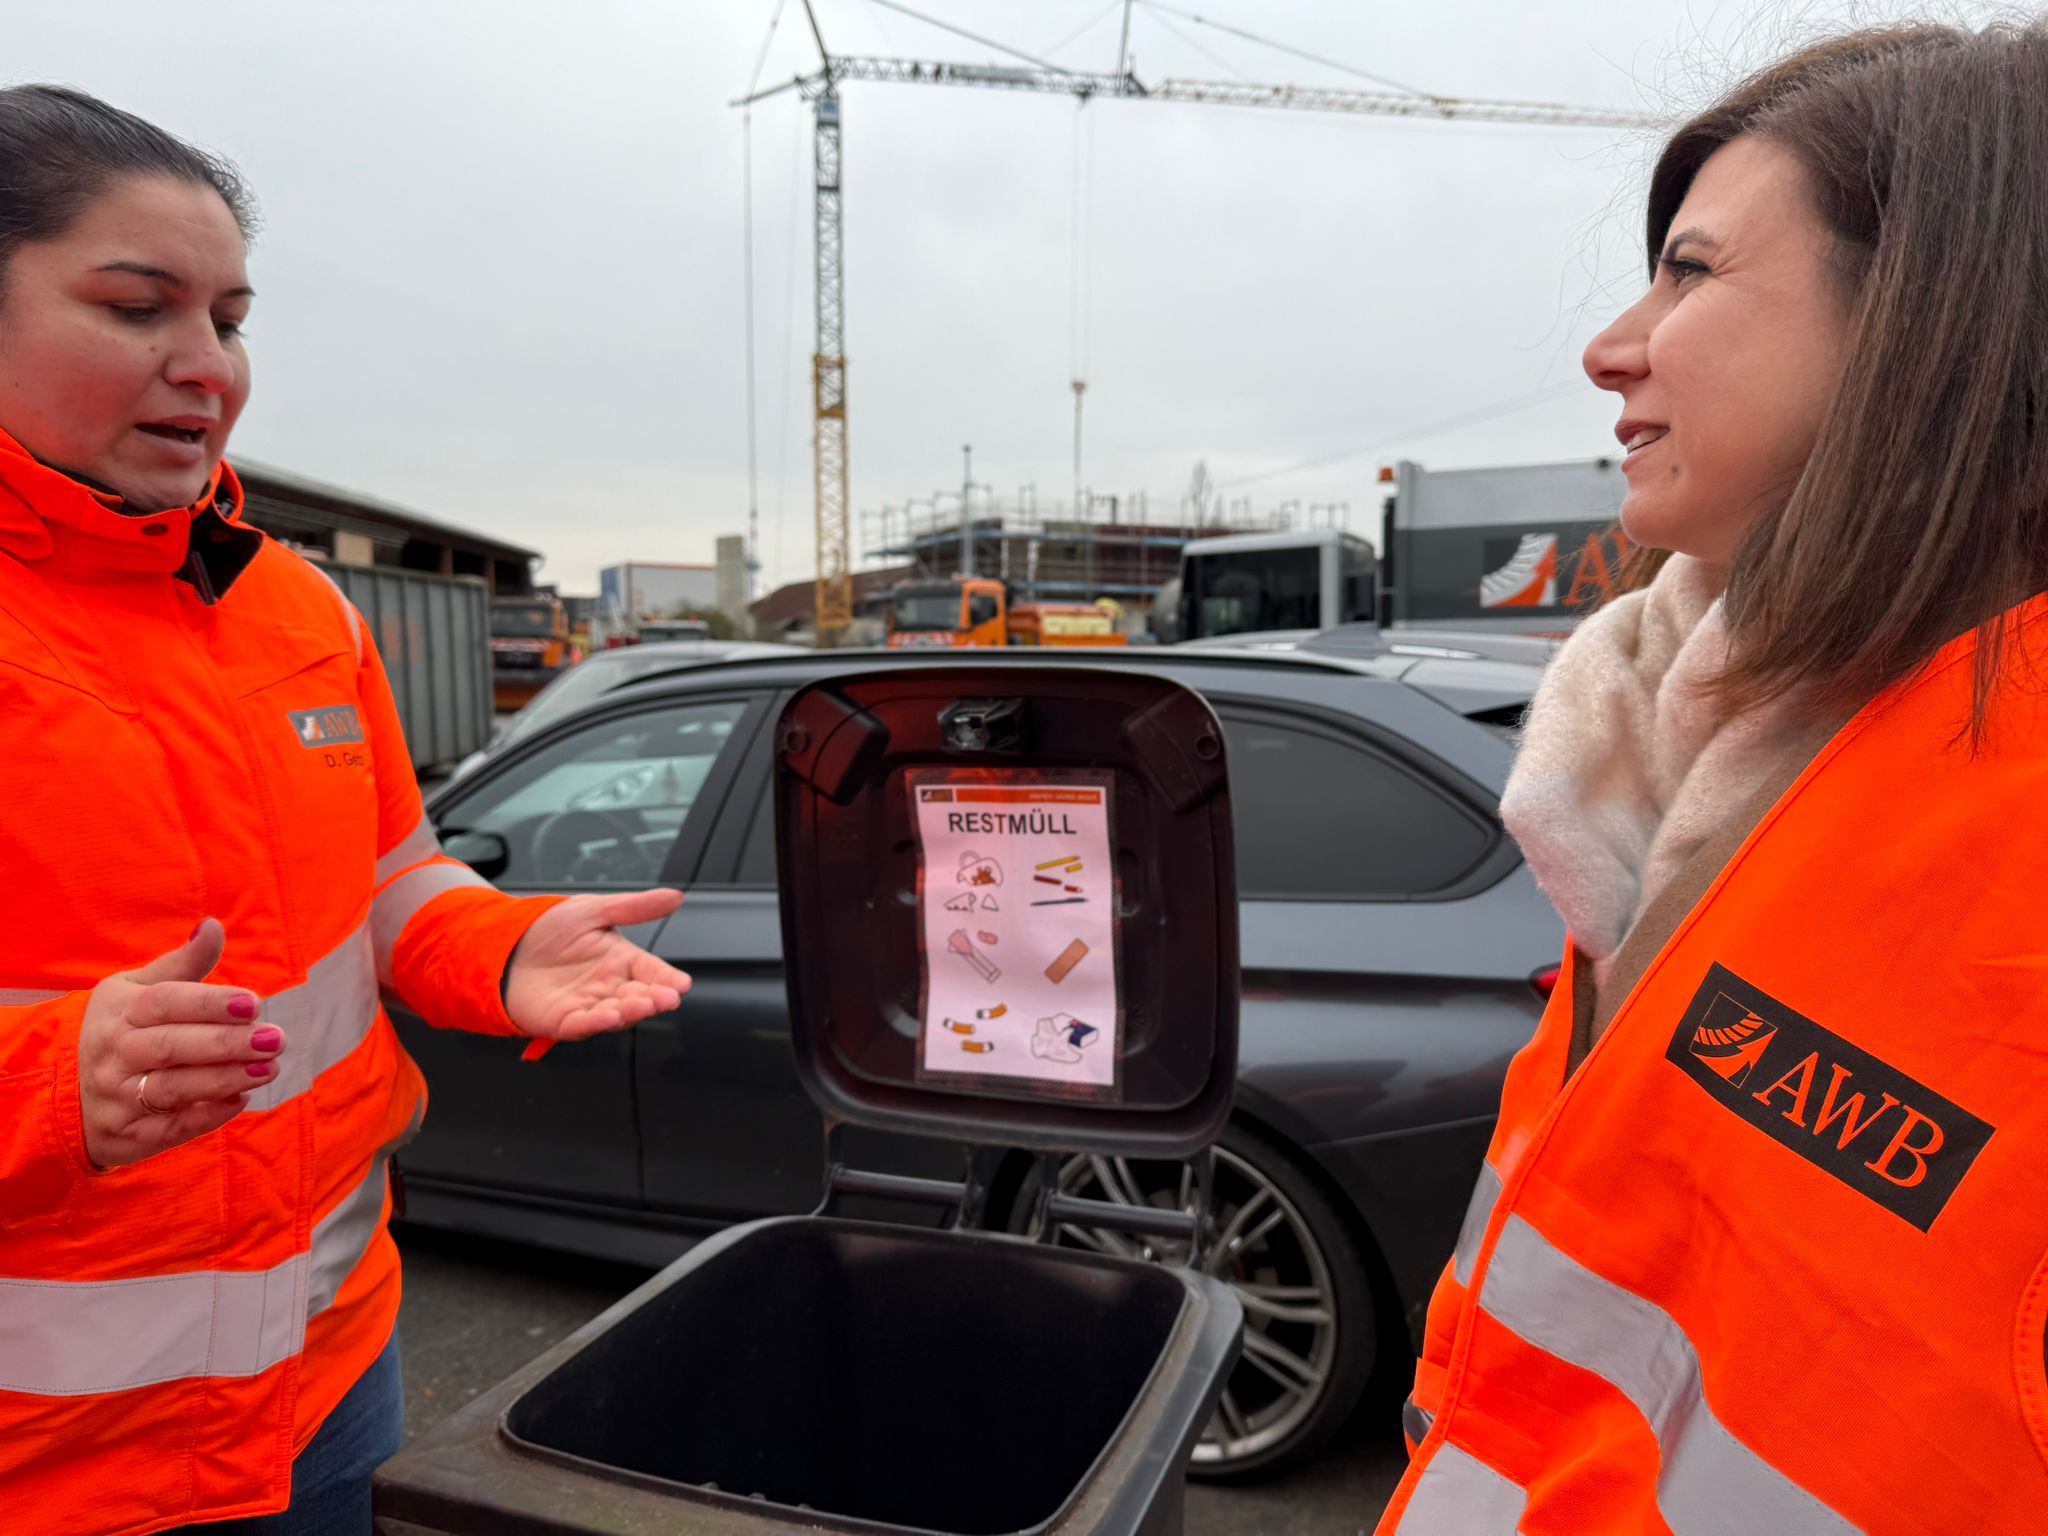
column 821, row 88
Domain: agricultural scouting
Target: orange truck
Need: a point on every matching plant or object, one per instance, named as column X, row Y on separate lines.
column 972, row 611
column 530, row 645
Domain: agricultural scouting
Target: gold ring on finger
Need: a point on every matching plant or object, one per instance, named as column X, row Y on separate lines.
column 142, row 1097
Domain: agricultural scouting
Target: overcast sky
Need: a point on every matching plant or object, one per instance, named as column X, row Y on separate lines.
column 501, row 275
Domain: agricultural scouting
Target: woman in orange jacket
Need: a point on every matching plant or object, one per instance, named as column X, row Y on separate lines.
column 212, row 859
column 1760, row 1243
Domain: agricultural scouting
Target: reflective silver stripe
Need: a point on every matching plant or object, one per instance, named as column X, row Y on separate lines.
column 75, row 1338
column 1478, row 1212
column 419, row 844
column 402, row 898
column 324, row 1018
column 1415, row 1421
column 24, row 997
column 1460, row 1495
column 342, row 1236
column 1710, row 1483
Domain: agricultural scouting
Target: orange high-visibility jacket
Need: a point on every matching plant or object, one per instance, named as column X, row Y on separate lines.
column 194, row 723
column 1774, row 1260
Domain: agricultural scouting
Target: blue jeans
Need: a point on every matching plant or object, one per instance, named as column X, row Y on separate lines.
column 331, row 1478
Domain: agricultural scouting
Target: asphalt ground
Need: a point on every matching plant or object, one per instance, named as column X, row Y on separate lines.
column 476, row 1311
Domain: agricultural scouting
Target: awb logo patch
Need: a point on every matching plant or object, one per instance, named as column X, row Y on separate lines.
column 325, row 727
column 1882, row 1133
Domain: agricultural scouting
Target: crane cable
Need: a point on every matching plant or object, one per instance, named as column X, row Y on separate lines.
column 747, row 268
column 1299, row 53
column 1471, row 418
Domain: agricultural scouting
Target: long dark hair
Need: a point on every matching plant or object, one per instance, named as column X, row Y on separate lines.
column 60, row 148
column 1923, row 510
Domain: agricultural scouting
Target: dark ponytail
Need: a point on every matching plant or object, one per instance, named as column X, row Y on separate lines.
column 60, row 148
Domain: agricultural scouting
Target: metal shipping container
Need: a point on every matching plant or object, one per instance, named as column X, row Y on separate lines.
column 434, row 633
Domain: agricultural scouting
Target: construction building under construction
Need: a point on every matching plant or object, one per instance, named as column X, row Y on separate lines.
column 1119, row 552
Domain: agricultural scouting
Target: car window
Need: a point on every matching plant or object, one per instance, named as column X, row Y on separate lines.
column 604, row 805
column 1323, row 816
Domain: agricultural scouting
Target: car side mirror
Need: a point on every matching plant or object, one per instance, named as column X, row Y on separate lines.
column 485, row 852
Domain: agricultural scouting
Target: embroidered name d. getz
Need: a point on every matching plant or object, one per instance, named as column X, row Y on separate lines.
column 327, row 729
column 1884, row 1134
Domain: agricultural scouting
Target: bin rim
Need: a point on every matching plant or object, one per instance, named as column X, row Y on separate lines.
column 1210, row 1317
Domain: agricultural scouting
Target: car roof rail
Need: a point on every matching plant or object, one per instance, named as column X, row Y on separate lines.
column 819, row 663
column 1361, row 638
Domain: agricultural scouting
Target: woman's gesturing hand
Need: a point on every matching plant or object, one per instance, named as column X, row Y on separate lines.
column 164, row 1057
column 574, row 975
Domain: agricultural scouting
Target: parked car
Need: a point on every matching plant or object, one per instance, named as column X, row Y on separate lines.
column 1395, row 950
column 603, row 671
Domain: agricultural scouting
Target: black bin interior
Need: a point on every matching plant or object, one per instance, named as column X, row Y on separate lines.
column 910, row 1378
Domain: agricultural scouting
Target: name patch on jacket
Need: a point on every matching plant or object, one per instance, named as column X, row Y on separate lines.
column 324, row 727
column 1887, row 1136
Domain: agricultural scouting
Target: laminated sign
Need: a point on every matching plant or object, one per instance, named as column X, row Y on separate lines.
column 1017, row 910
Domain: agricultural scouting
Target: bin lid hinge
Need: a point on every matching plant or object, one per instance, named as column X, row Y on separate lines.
column 966, row 1197
column 1186, row 1234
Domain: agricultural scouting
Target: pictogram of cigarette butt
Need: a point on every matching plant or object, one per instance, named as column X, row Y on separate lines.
column 977, row 1047
column 1067, row 959
column 958, row 1028
column 992, row 1013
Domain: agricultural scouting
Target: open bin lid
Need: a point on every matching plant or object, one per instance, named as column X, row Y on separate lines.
column 1009, row 905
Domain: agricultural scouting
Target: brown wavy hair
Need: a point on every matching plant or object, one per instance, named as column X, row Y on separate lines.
column 1923, row 510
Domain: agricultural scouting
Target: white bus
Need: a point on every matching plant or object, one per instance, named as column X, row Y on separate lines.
column 1243, row 583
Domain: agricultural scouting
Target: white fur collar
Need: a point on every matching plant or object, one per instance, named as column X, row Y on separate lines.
column 1626, row 766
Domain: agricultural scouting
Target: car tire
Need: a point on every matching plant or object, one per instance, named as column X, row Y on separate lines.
column 1312, row 1329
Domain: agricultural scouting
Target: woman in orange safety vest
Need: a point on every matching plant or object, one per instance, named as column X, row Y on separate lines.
column 1761, row 1241
column 212, row 859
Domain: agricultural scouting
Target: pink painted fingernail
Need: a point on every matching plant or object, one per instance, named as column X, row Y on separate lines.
column 242, row 1007
column 268, row 1038
column 260, row 1068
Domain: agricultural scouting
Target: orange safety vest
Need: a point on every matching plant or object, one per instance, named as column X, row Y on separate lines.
column 1774, row 1260
column 193, row 723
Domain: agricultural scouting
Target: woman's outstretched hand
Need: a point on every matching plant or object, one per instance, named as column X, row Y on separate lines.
column 164, row 1056
column 575, row 975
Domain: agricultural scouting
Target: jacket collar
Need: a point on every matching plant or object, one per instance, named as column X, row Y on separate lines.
column 48, row 516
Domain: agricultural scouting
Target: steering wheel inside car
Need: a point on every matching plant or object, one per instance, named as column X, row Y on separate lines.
column 559, row 858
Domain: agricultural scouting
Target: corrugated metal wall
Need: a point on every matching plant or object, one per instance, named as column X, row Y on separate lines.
column 435, row 636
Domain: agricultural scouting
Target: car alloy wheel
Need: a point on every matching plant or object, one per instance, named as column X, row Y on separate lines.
column 1268, row 1251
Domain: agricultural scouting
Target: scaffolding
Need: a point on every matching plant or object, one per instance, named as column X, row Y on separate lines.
column 1117, row 547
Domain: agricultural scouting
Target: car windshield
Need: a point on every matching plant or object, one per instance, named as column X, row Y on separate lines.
column 580, row 684
column 928, row 610
column 522, row 620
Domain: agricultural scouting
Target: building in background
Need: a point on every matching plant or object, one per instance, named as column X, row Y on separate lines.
column 790, row 612
column 648, row 589
column 1121, row 549
column 343, row 527
column 735, row 584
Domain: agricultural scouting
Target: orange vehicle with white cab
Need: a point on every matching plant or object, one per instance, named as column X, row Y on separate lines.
column 975, row 611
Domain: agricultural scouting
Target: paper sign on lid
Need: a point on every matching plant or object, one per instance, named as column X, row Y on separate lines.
column 1017, row 910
